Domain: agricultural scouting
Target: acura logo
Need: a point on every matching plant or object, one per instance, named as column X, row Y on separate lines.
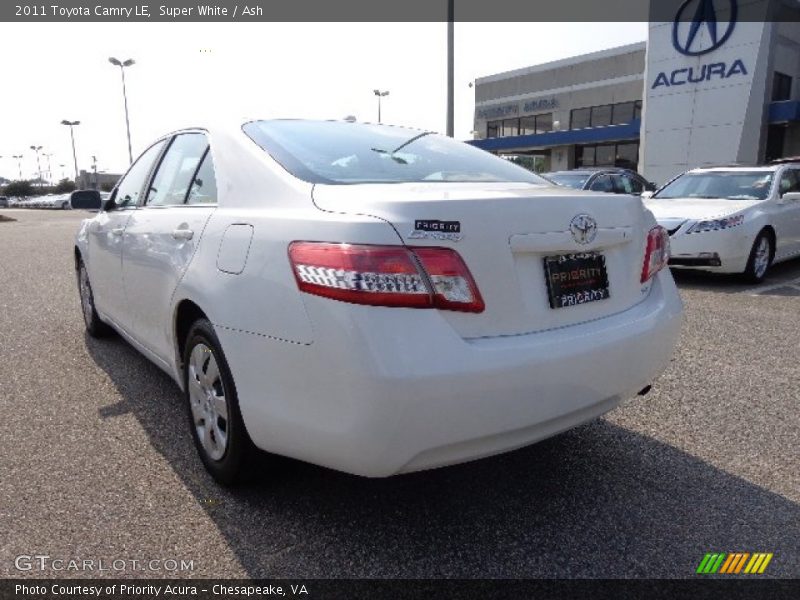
column 583, row 229
column 685, row 37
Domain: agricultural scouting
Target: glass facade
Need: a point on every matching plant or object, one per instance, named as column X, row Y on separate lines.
column 528, row 125
column 606, row 114
column 621, row 154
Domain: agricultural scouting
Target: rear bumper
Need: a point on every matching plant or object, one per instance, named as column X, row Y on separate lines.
column 386, row 391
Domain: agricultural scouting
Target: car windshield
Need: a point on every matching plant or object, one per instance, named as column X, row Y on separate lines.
column 728, row 185
column 346, row 153
column 573, row 180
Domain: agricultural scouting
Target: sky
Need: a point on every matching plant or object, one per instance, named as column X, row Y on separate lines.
column 186, row 73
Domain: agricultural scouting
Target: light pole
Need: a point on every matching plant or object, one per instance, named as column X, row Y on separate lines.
column 450, row 86
column 72, row 124
column 380, row 95
column 49, row 168
column 38, row 164
column 19, row 164
column 122, row 66
column 63, row 173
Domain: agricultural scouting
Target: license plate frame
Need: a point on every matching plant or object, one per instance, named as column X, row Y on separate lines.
column 567, row 286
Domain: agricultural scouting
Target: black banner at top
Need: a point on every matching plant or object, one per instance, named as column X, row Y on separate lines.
column 188, row 11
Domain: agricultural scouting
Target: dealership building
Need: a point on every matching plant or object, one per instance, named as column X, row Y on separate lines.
column 720, row 84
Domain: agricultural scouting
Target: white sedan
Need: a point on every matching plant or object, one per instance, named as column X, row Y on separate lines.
column 374, row 299
column 731, row 219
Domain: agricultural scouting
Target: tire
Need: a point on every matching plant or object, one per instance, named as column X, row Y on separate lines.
column 760, row 259
column 212, row 407
column 94, row 326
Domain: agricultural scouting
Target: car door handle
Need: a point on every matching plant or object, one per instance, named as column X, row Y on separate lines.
column 118, row 231
column 182, row 234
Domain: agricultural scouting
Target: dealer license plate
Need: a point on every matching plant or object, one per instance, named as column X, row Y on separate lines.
column 574, row 279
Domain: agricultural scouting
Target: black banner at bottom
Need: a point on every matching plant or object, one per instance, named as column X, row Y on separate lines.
column 400, row 589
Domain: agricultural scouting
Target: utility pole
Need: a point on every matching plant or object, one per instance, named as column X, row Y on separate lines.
column 450, row 86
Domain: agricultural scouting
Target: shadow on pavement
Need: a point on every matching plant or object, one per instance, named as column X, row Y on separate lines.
column 599, row 501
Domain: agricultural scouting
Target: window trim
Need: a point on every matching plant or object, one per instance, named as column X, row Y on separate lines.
column 160, row 158
column 147, row 179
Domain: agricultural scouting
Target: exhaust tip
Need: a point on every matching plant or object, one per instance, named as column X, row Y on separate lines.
column 645, row 390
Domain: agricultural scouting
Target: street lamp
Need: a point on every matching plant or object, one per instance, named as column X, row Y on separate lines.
column 72, row 124
column 38, row 164
column 122, row 66
column 19, row 164
column 49, row 171
column 380, row 95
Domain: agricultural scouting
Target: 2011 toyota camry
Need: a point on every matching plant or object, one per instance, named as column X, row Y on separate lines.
column 731, row 219
column 374, row 299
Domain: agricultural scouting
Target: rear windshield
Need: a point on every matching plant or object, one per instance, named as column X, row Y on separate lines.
column 573, row 180
column 728, row 185
column 346, row 153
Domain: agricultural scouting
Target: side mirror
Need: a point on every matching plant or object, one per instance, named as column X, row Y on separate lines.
column 647, row 194
column 790, row 197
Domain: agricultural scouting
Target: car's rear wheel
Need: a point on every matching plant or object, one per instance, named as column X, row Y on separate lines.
column 760, row 258
column 94, row 326
column 213, row 407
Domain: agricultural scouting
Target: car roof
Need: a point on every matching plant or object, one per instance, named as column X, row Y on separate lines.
column 591, row 170
column 743, row 168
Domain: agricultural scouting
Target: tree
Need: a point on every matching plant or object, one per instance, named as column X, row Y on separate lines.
column 107, row 187
column 19, row 188
column 65, row 186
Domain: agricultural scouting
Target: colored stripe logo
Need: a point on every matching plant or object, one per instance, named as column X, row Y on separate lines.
column 734, row 563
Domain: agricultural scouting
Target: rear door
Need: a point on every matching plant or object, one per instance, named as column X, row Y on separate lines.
column 106, row 238
column 162, row 236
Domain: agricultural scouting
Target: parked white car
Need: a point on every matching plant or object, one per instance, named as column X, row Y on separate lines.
column 731, row 219
column 374, row 299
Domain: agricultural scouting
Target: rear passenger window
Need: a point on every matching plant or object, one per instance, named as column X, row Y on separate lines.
column 176, row 171
column 790, row 181
column 204, row 186
column 130, row 187
column 602, row 183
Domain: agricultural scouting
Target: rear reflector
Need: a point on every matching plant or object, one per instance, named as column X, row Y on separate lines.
column 385, row 275
column 656, row 255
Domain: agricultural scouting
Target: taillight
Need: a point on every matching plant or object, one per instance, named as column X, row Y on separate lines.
column 385, row 275
column 656, row 255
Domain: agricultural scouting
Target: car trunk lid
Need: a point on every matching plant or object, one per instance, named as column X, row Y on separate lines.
column 504, row 232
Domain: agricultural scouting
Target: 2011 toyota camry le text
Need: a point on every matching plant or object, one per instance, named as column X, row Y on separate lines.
column 374, row 299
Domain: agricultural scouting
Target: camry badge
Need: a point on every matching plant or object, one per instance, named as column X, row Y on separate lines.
column 583, row 229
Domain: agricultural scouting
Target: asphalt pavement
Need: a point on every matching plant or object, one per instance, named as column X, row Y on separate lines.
column 96, row 461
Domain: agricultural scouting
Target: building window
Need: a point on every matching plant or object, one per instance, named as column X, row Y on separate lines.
column 601, row 115
column 622, row 113
column 585, row 156
column 623, row 154
column 627, row 155
column 781, row 87
column 544, row 123
column 492, row 129
column 580, row 118
column 607, row 114
column 510, row 127
column 527, row 125
column 536, row 124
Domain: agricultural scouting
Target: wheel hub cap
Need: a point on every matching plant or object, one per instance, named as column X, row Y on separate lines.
column 207, row 401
